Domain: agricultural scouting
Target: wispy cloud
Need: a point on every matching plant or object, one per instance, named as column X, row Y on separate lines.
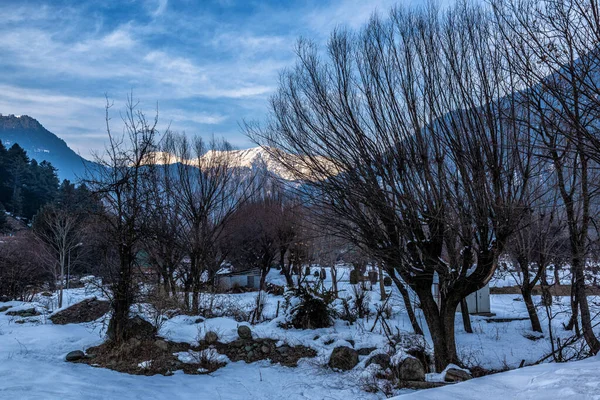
column 208, row 64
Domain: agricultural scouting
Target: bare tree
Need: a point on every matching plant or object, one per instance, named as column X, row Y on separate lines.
column 409, row 126
column 121, row 180
column 211, row 186
column 555, row 43
column 251, row 237
column 534, row 247
column 61, row 230
column 163, row 222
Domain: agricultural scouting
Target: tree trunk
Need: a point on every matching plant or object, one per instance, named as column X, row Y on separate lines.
column 533, row 316
column 263, row 278
column 195, row 297
column 581, row 295
column 440, row 322
column 287, row 270
column 334, row 286
column 383, row 295
column 464, row 310
column 61, row 281
column 405, row 296
column 122, row 299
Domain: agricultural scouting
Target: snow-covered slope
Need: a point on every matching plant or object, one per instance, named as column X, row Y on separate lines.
column 574, row 380
column 255, row 157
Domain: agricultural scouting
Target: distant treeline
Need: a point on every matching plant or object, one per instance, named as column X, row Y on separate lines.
column 26, row 185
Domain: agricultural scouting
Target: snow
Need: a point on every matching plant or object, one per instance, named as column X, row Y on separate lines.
column 247, row 158
column 575, row 380
column 32, row 354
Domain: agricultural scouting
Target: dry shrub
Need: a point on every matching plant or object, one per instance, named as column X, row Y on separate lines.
column 311, row 309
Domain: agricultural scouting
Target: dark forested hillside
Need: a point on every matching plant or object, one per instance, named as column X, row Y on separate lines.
column 41, row 145
column 25, row 184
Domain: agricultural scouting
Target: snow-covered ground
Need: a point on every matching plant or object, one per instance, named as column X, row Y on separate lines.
column 577, row 380
column 32, row 355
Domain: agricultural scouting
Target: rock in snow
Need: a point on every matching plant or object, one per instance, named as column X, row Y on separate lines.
column 244, row 332
column 75, row 355
column 343, row 358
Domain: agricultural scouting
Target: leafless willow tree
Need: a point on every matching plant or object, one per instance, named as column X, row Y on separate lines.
column 163, row 222
column 121, row 181
column 211, row 185
column 405, row 132
column 555, row 44
column 536, row 245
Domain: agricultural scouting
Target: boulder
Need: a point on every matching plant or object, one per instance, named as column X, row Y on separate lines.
column 75, row 356
column 343, row 358
column 457, row 375
column 382, row 359
column 244, row 332
column 85, row 311
column 2, row 309
column 411, row 369
column 211, row 337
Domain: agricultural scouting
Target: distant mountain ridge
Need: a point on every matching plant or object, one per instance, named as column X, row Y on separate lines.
column 250, row 158
column 41, row 144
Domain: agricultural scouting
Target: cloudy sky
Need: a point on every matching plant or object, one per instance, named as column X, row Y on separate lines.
column 206, row 64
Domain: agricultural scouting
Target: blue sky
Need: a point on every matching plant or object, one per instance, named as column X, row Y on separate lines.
column 207, row 64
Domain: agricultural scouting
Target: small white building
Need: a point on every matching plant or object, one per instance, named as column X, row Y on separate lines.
column 477, row 302
column 227, row 279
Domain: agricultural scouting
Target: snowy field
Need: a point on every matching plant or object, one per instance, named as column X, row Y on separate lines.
column 32, row 355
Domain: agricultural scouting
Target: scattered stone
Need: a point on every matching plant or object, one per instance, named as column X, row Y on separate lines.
column 343, row 358
column 75, row 356
column 161, row 344
column 328, row 342
column 244, row 332
column 2, row 309
column 365, row 351
column 265, row 349
column 352, row 343
column 411, row 369
column 211, row 337
column 85, row 311
column 20, row 321
column 382, row 359
column 457, row 375
column 199, row 320
column 30, row 312
column 46, row 294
